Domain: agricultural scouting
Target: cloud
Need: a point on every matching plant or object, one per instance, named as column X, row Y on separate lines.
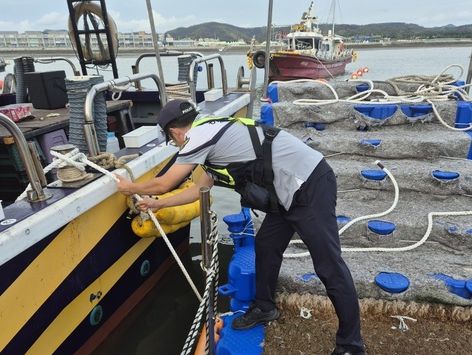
column 162, row 23
column 444, row 18
column 52, row 20
column 57, row 20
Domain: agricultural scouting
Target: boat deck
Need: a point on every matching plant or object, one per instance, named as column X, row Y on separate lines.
column 41, row 123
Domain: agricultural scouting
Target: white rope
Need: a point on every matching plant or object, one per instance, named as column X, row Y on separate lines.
column 82, row 158
column 117, row 90
column 438, row 116
column 392, row 207
column 434, row 92
column 381, row 214
column 419, row 242
column 403, row 326
column 55, row 164
column 358, row 219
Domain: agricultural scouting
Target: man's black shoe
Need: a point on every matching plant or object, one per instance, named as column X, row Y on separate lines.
column 253, row 317
column 348, row 350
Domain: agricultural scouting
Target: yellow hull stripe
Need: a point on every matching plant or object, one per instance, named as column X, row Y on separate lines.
column 72, row 315
column 52, row 266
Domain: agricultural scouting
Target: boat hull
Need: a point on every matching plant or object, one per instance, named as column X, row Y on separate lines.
column 294, row 66
column 65, row 293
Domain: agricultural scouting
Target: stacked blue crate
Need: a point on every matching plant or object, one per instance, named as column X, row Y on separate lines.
column 241, row 288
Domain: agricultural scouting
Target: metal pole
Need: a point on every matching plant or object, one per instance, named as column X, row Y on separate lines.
column 155, row 40
column 192, row 81
column 210, row 76
column 37, row 194
column 252, row 88
column 205, row 226
column 55, row 59
column 76, row 36
column 267, row 57
column 469, row 74
column 89, row 126
column 111, row 50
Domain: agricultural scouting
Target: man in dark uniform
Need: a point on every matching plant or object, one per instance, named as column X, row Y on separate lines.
column 273, row 171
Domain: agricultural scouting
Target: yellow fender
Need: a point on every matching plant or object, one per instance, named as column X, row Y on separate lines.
column 170, row 218
column 147, row 229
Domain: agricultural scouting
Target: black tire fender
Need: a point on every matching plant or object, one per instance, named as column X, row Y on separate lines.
column 258, row 59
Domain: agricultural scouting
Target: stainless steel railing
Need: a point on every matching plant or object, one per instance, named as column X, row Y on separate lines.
column 192, row 80
column 89, row 127
column 35, row 173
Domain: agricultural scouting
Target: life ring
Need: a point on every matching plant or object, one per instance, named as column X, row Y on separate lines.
column 82, row 9
column 258, row 58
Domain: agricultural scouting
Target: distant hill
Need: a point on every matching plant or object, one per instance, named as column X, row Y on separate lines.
column 394, row 30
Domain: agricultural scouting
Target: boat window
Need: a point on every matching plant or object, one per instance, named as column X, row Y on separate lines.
column 303, row 43
column 317, row 43
column 325, row 47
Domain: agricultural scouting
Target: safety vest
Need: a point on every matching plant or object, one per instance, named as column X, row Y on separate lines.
column 253, row 180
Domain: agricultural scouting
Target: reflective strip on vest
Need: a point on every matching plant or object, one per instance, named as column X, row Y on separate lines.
column 221, row 176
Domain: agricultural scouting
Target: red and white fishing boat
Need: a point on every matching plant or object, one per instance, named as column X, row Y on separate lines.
column 309, row 54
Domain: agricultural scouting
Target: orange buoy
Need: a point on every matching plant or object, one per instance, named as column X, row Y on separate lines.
column 354, row 76
column 359, row 72
column 365, row 70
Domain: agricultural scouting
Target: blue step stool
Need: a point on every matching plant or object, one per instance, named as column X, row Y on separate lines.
column 241, row 286
column 240, row 342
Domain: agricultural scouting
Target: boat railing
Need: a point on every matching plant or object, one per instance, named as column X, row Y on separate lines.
column 31, row 162
column 56, row 59
column 192, row 80
column 89, row 126
column 135, row 67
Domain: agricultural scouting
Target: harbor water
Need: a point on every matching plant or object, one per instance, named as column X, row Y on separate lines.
column 160, row 323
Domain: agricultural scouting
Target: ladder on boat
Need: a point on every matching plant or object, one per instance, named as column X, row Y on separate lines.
column 88, row 31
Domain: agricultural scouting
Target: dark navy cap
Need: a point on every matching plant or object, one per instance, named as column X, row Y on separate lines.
column 174, row 110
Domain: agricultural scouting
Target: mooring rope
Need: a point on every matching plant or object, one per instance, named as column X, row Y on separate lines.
column 437, row 89
column 210, row 288
column 79, row 160
column 358, row 219
column 389, row 210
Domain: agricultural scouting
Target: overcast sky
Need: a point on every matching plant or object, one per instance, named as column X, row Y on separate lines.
column 131, row 15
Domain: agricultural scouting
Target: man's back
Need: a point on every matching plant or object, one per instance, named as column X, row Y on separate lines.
column 292, row 160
